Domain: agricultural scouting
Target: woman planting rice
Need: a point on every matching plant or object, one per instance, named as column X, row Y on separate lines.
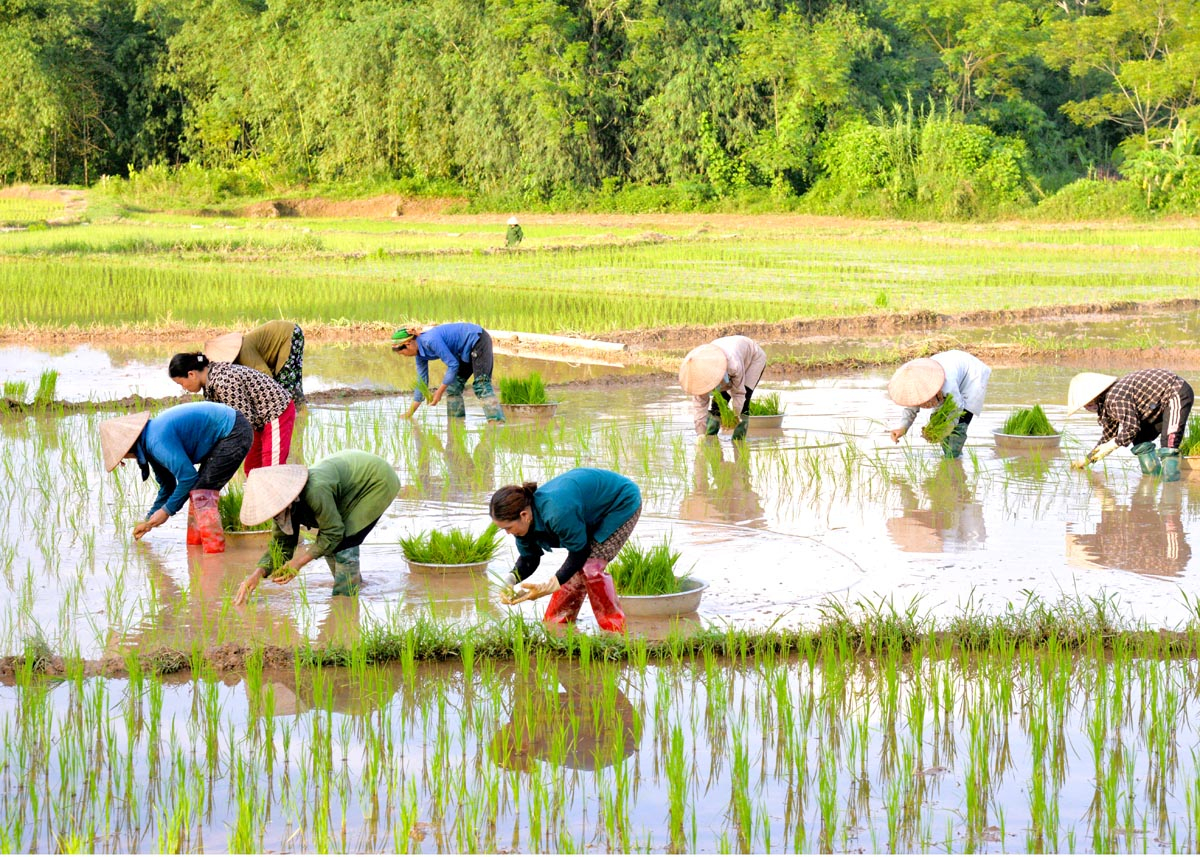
column 275, row 348
column 589, row 512
column 729, row 367
column 466, row 349
column 955, row 379
column 209, row 434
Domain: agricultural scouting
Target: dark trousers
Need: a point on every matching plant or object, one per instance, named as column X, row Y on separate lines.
column 715, row 409
column 1172, row 426
column 356, row 539
column 223, row 460
column 482, row 360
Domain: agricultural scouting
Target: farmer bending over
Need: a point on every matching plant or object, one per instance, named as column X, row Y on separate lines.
column 729, row 367
column 275, row 348
column 925, row 383
column 466, row 349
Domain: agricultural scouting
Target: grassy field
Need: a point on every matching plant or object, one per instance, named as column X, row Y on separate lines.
column 586, row 274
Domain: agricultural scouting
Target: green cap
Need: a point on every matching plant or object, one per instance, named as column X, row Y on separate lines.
column 401, row 335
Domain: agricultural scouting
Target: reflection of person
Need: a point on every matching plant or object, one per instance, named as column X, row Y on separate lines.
column 722, row 490
column 342, row 497
column 263, row 401
column 466, row 349
column 925, row 383
column 275, row 348
column 208, row 434
column 1132, row 411
column 588, row 511
column 1143, row 537
column 515, row 233
column 729, row 367
column 953, row 516
column 595, row 737
column 467, row 472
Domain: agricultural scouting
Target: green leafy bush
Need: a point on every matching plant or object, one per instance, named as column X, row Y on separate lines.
column 942, row 421
column 452, row 547
column 1093, row 199
column 766, row 406
column 1028, row 422
column 229, row 505
column 529, row 390
column 650, row 571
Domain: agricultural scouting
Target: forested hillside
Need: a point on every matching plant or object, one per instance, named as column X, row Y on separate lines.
column 909, row 107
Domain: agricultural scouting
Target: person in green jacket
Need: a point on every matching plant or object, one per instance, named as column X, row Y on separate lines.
column 342, row 497
column 588, row 511
column 275, row 348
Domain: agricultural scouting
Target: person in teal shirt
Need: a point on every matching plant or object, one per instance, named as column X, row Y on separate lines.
column 587, row 511
column 466, row 349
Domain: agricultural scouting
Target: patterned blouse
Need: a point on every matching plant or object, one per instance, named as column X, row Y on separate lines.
column 259, row 397
column 1135, row 400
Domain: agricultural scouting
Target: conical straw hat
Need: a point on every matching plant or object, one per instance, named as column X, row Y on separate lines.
column 1086, row 386
column 512, row 221
column 270, row 490
column 916, row 382
column 223, row 349
column 702, row 370
column 118, row 435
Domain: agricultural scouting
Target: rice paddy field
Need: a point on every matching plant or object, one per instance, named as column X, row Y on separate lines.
column 894, row 652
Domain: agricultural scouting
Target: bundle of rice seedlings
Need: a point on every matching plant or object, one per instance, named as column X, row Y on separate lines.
column 767, row 406
column 229, row 505
column 1190, row 445
column 451, row 547
column 529, row 390
column 942, row 421
column 1028, row 422
column 638, row 571
column 728, row 418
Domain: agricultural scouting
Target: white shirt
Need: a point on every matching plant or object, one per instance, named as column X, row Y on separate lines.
column 744, row 364
column 966, row 380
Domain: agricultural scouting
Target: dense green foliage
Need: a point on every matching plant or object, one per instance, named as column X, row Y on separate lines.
column 530, row 390
column 1028, row 422
column 452, row 547
column 942, row 421
column 932, row 107
column 645, row 571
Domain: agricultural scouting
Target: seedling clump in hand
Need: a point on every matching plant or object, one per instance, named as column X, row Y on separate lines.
column 942, row 421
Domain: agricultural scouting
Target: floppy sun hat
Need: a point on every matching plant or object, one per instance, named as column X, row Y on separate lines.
column 118, row 435
column 1086, row 386
column 702, row 370
column 223, row 349
column 270, row 490
column 916, row 382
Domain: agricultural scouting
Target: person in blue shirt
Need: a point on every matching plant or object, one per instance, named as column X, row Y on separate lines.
column 589, row 512
column 466, row 349
column 214, row 436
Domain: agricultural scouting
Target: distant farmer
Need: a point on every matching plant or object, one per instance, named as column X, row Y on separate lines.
column 1134, row 410
column 342, row 497
column 515, row 233
column 266, row 404
column 275, row 348
column 729, row 367
column 214, row 436
column 927, row 381
column 466, row 349
column 589, row 512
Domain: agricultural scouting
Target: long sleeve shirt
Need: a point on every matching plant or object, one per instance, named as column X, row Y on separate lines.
column 450, row 343
column 1133, row 401
column 344, row 493
column 267, row 347
column 258, row 396
column 572, row 511
column 745, row 362
column 177, row 440
column 966, row 380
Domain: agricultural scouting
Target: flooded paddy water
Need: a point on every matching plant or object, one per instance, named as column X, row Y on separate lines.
column 798, row 750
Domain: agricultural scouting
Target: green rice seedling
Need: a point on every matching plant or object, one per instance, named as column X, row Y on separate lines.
column 452, row 547
column 942, row 421
column 47, row 383
column 229, row 504
column 766, row 406
column 530, row 390
column 16, row 391
column 728, row 418
column 1190, row 445
column 504, row 589
column 641, row 571
column 1028, row 422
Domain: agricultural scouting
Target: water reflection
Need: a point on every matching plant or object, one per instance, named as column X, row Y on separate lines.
column 1145, row 535
column 721, row 489
column 945, row 515
column 465, row 472
column 602, row 727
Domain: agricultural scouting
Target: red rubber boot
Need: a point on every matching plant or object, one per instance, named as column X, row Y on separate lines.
column 565, row 603
column 208, row 517
column 603, row 595
column 193, row 532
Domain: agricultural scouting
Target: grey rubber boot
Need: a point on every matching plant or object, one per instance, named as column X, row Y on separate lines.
column 455, row 406
column 952, row 446
column 482, row 385
column 1148, row 459
column 1170, row 464
column 346, row 577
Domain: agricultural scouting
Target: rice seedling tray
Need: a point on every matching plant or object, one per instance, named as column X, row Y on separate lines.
column 766, row 421
column 537, row 412
column 687, row 600
column 439, row 568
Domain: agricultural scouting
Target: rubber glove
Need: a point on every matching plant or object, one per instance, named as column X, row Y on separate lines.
column 532, row 591
column 1101, row 451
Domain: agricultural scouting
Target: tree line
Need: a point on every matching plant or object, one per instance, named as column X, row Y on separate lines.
column 948, row 106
